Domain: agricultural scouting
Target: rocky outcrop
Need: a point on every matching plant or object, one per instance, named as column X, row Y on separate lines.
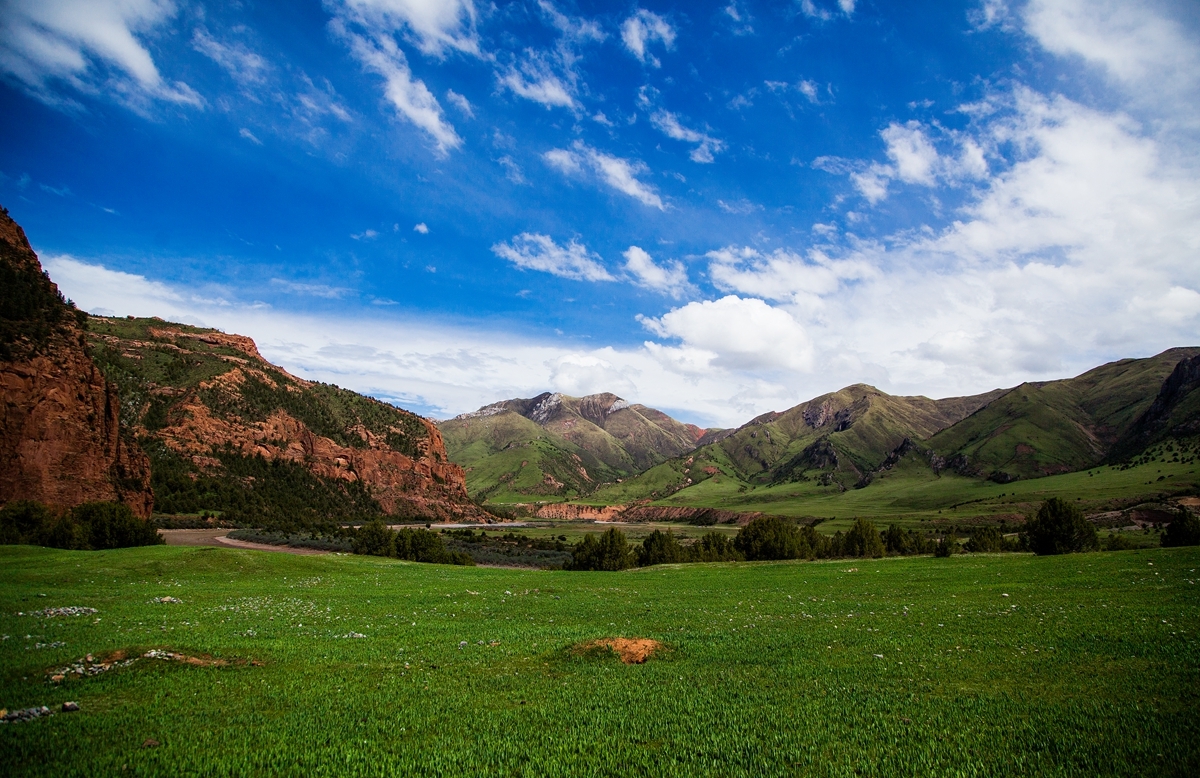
column 61, row 442
column 253, row 408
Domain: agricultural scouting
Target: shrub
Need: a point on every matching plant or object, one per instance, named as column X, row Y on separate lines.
column 714, row 547
column 1184, row 530
column 1060, row 528
column 986, row 540
column 769, row 537
column 660, row 548
column 862, row 540
column 946, row 546
column 375, row 539
column 1117, row 542
column 86, row 527
column 608, row 552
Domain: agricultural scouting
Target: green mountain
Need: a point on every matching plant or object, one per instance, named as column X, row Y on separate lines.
column 1061, row 426
column 554, row 447
column 838, row 438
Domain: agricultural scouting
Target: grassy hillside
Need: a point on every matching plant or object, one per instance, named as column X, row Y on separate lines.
column 554, row 447
column 974, row 665
column 1058, row 426
column 838, row 439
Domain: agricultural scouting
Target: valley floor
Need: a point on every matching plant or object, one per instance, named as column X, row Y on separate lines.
column 344, row 665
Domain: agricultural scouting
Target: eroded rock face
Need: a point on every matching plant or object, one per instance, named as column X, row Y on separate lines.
column 399, row 457
column 60, row 436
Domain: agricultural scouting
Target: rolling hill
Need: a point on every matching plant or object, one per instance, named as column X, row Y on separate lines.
column 555, row 447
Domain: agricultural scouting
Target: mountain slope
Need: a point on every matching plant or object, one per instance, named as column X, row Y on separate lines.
column 556, row 446
column 837, row 438
column 228, row 431
column 61, row 438
column 1053, row 427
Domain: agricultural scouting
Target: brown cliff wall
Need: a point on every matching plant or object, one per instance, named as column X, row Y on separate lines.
column 60, row 438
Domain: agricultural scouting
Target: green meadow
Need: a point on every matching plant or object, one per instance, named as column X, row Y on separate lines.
column 915, row 497
column 341, row 665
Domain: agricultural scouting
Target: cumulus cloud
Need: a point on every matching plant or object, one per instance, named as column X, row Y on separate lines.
column 421, row 228
column 643, row 28
column 532, row 251
column 90, row 46
column 615, row 172
column 670, row 278
column 733, row 333
column 434, row 26
column 407, row 94
column 668, row 123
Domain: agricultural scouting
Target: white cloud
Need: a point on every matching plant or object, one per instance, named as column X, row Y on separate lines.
column 914, row 159
column 408, row 95
column 93, row 46
column 643, row 28
column 242, row 64
column 311, row 290
column 783, row 275
column 535, row 81
column 620, row 174
column 1134, row 45
column 532, row 251
column 249, row 136
column 911, row 152
column 668, row 124
column 421, row 228
column 512, row 171
column 460, row 102
column 670, row 278
column 734, row 333
column 434, row 26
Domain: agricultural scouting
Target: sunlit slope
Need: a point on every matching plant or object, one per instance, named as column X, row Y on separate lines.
column 1058, row 426
column 836, row 439
column 557, row 447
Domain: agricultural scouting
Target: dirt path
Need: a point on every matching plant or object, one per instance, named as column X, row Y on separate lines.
column 217, row 537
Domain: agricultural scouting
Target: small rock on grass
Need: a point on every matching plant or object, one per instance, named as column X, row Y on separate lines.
column 70, row 707
column 150, row 743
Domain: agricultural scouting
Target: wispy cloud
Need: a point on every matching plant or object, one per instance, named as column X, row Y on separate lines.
column 92, row 47
column 236, row 59
column 642, row 29
column 407, row 94
column 433, row 26
column 532, row 251
column 310, row 290
column 668, row 123
column 620, row 174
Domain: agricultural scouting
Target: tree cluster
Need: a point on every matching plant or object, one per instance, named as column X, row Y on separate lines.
column 92, row 526
column 416, row 545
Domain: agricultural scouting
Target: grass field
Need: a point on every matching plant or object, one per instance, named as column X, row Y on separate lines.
column 915, row 497
column 918, row 666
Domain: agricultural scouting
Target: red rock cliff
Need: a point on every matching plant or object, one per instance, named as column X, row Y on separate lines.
column 60, row 439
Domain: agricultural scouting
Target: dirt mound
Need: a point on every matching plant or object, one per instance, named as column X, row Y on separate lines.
column 632, row 651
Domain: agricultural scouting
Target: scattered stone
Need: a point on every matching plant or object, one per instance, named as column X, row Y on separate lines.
column 1004, row 595
column 351, row 635
column 58, row 678
column 150, row 743
column 26, row 714
column 170, row 600
column 877, row 656
column 462, row 644
column 70, row 610
column 70, row 707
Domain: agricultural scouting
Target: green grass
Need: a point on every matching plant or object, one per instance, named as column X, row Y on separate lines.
column 913, row 496
column 1088, row 667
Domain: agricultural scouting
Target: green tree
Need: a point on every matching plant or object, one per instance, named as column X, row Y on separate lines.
column 985, row 540
column 374, row 538
column 660, row 548
column 769, row 537
column 611, row 551
column 947, row 546
column 1060, row 528
column 862, row 540
column 1184, row 529
column 714, row 547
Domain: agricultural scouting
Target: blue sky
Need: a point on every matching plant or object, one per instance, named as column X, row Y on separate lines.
column 715, row 209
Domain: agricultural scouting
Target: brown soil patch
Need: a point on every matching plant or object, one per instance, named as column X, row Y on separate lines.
column 632, row 651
